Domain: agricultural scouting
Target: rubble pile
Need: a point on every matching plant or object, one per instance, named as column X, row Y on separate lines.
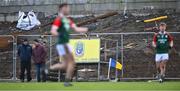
column 138, row 53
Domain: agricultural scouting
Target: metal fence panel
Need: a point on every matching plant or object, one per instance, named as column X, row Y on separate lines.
column 173, row 66
column 6, row 56
column 138, row 56
column 133, row 50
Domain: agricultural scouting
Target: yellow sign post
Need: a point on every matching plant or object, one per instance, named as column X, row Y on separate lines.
column 85, row 50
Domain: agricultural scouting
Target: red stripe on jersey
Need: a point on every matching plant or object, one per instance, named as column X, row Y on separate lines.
column 57, row 22
column 155, row 38
column 170, row 38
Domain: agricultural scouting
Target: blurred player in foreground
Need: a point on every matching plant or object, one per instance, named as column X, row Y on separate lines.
column 61, row 28
column 162, row 41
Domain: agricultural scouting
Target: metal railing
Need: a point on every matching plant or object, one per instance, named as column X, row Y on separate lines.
column 7, row 48
column 132, row 49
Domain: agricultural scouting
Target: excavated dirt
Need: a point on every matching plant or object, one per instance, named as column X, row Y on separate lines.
column 138, row 53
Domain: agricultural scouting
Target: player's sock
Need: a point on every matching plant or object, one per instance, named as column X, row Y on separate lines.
column 67, row 82
column 46, row 71
column 47, row 66
column 161, row 79
column 157, row 76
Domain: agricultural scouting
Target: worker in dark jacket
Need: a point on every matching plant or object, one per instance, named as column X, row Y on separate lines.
column 25, row 53
column 39, row 55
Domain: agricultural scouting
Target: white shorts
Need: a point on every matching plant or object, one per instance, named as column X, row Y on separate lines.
column 162, row 57
column 62, row 50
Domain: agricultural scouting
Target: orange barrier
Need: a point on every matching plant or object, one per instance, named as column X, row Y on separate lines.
column 5, row 41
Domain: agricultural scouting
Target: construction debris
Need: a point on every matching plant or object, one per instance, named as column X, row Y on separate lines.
column 27, row 22
column 130, row 45
column 5, row 42
column 109, row 14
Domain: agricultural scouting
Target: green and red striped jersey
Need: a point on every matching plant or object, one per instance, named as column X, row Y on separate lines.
column 162, row 41
column 64, row 25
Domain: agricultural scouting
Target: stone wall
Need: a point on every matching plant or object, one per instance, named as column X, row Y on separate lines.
column 9, row 8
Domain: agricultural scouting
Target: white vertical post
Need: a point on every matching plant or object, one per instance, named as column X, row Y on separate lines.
column 116, row 74
column 109, row 68
column 125, row 7
column 50, row 49
column 99, row 64
column 117, row 53
column 14, row 57
column 122, row 54
column 59, row 71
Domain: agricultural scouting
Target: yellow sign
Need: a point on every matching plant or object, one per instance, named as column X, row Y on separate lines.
column 85, row 50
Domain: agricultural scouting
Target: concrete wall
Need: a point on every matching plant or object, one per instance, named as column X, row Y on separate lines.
column 9, row 8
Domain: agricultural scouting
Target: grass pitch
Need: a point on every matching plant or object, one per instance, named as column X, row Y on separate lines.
column 92, row 86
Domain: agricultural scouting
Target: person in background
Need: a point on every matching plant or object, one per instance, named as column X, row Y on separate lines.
column 162, row 41
column 39, row 56
column 25, row 53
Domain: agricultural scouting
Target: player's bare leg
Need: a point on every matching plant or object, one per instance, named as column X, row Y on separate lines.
column 161, row 68
column 70, row 67
column 161, row 72
column 158, row 69
column 59, row 66
column 69, row 70
column 164, row 68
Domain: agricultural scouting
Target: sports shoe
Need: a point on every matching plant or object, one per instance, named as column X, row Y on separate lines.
column 157, row 76
column 28, row 80
column 160, row 80
column 163, row 77
column 67, row 84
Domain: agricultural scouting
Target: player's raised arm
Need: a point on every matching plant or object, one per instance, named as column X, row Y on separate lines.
column 78, row 29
